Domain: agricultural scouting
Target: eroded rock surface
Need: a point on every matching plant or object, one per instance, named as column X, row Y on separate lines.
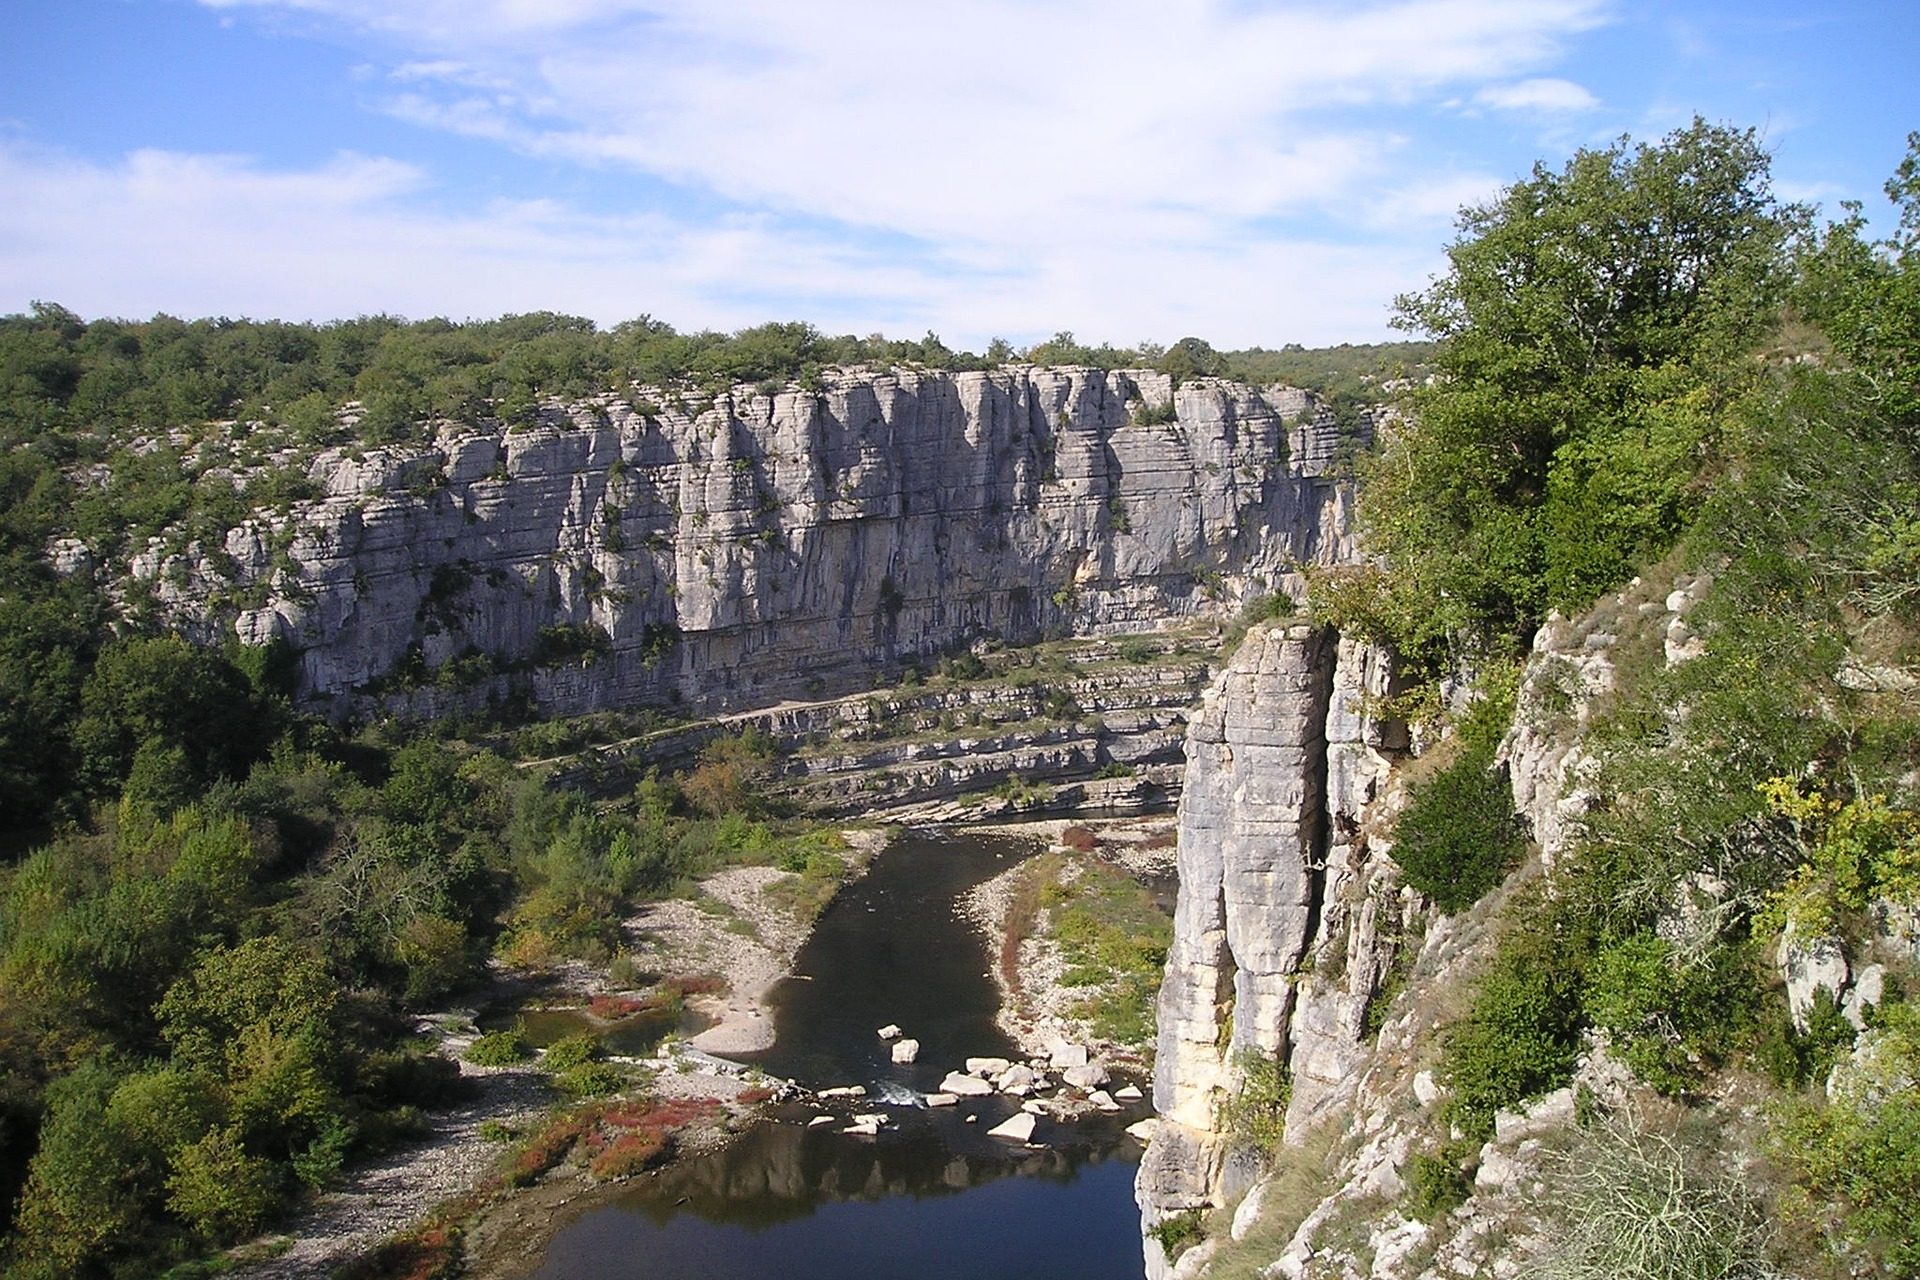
column 766, row 546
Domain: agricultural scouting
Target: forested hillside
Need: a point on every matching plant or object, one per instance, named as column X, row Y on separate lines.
column 1657, row 378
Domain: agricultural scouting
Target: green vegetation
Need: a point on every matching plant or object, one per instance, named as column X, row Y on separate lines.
column 1853, row 1154
column 1437, row 1183
column 1181, row 1232
column 1651, row 369
column 1591, row 330
column 1114, row 937
column 1458, row 835
column 500, row 1048
column 1255, row 1114
column 202, row 995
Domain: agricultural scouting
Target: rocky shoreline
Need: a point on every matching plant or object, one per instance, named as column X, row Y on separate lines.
column 732, row 930
column 1039, row 1013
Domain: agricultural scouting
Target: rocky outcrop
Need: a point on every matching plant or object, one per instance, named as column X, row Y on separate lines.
column 765, row 546
column 1289, row 917
column 1095, row 732
column 1293, row 936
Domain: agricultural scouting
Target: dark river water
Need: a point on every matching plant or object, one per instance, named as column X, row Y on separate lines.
column 932, row 1196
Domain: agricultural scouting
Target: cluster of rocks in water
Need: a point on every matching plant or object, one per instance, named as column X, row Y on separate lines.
column 1069, row 1072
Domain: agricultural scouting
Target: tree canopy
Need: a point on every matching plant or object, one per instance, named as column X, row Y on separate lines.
column 1589, row 320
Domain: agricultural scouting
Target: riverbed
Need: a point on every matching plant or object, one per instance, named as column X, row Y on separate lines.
column 932, row 1195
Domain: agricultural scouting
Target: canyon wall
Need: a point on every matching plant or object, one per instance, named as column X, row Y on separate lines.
column 1288, row 913
column 764, row 546
column 1299, row 953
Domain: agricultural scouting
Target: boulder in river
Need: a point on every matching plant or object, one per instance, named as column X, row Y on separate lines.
column 942, row 1099
column 844, row 1091
column 965, row 1086
column 1129, row 1093
column 1018, row 1127
column 986, row 1066
column 1143, row 1129
column 1067, row 1055
column 1103, row 1100
column 889, row 1032
column 1090, row 1076
column 905, row 1051
column 1017, row 1080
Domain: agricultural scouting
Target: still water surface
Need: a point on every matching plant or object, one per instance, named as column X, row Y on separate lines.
column 932, row 1197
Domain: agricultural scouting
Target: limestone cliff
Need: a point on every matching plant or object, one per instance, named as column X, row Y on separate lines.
column 1288, row 913
column 759, row 546
column 1297, row 950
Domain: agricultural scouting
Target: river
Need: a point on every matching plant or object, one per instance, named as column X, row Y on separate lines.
column 932, row 1196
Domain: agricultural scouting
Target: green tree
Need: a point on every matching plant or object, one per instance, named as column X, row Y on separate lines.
column 1586, row 326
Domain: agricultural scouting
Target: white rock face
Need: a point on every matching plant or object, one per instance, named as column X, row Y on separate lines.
column 1869, row 988
column 1284, row 758
column 1250, row 826
column 1810, row 965
column 756, row 547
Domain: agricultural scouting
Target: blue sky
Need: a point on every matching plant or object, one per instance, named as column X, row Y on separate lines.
column 1251, row 172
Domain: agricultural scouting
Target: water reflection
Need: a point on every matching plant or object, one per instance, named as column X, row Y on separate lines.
column 932, row 1196
column 785, row 1170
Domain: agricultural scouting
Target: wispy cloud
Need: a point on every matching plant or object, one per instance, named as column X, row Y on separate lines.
column 221, row 236
column 1128, row 168
column 1537, row 95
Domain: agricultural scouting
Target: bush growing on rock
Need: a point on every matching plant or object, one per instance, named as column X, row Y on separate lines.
column 1458, row 835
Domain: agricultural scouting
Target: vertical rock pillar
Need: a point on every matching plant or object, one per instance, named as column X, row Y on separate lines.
column 1252, row 858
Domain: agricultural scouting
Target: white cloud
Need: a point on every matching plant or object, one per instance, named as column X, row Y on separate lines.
column 213, row 235
column 994, row 120
column 1126, row 168
column 1537, row 95
column 1422, row 203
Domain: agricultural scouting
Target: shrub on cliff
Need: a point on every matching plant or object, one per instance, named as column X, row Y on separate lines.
column 1459, row 834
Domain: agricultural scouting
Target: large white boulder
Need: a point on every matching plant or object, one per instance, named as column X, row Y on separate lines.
column 1018, row 1127
column 1090, row 1076
column 1018, row 1080
column 905, row 1051
column 965, row 1086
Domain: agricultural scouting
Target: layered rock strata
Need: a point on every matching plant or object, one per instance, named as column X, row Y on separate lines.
column 764, row 546
column 1106, row 738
